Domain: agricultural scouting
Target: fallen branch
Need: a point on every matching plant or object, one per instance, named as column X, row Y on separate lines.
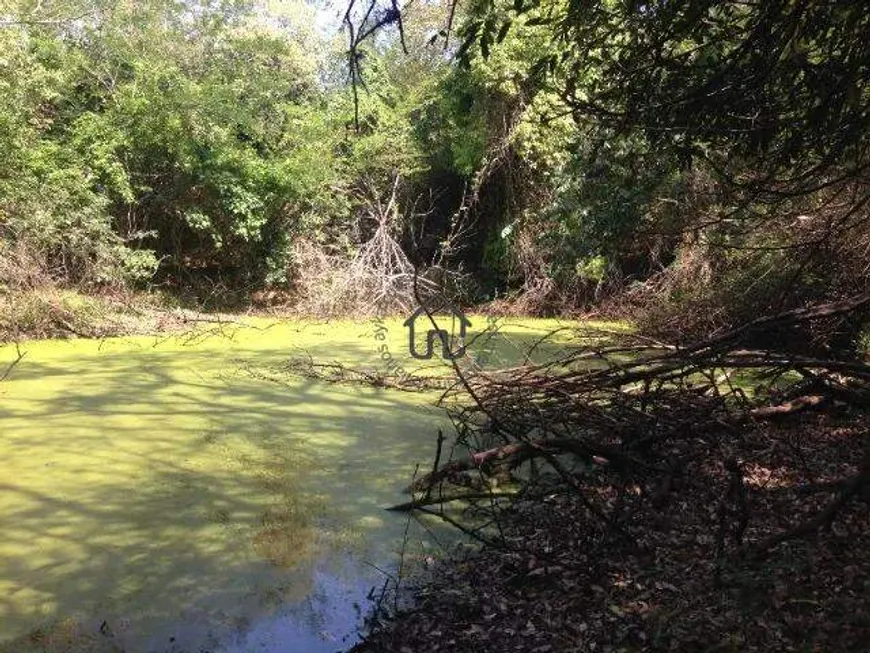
column 795, row 405
column 515, row 453
column 440, row 500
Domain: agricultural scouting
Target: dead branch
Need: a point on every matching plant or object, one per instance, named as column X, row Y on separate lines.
column 514, row 454
column 377, row 279
column 444, row 499
column 634, row 411
column 790, row 407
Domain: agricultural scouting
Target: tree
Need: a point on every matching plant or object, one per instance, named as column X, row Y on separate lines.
column 699, row 123
column 193, row 132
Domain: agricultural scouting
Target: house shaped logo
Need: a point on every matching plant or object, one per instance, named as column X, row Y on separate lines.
column 425, row 312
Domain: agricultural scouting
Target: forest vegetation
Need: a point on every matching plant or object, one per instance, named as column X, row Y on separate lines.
column 224, row 151
column 698, row 168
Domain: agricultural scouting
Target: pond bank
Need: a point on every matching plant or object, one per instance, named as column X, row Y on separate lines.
column 565, row 583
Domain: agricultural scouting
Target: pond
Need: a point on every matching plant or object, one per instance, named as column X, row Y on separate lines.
column 161, row 494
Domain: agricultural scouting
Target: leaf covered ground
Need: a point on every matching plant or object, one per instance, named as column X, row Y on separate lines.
column 691, row 570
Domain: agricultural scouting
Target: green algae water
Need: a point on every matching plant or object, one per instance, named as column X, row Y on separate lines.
column 158, row 494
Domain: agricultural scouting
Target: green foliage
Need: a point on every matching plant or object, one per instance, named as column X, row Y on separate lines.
column 201, row 141
column 617, row 128
column 206, row 136
column 48, row 198
column 772, row 97
column 607, row 198
column 128, row 139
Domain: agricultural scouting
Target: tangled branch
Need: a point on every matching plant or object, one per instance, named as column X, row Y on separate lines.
column 620, row 418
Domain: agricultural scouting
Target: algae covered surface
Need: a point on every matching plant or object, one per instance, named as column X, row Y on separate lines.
column 157, row 494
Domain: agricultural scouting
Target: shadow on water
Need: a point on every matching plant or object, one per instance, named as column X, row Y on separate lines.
column 155, row 497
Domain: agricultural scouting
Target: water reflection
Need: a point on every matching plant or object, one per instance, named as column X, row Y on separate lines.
column 328, row 619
